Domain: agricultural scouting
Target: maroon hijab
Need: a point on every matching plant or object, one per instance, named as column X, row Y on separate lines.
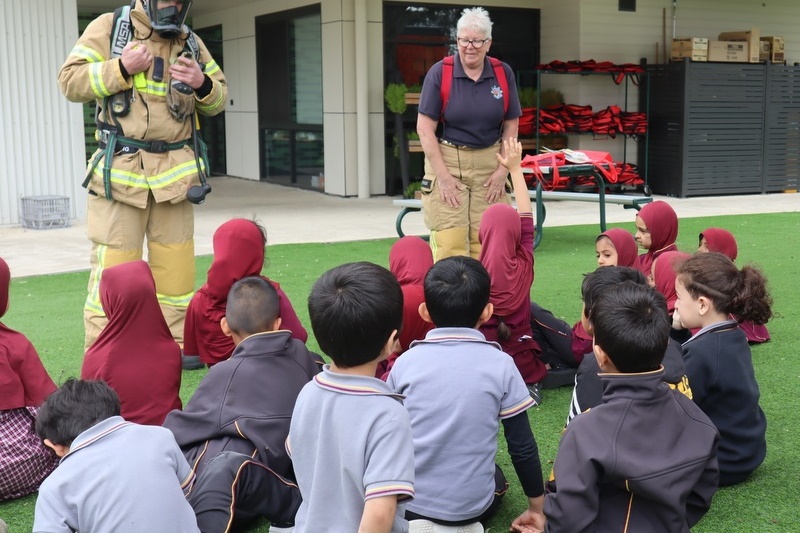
column 410, row 259
column 664, row 275
column 23, row 380
column 135, row 353
column 624, row 244
column 510, row 267
column 662, row 223
column 722, row 241
column 238, row 253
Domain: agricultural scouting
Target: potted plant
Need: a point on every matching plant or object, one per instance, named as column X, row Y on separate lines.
column 395, row 97
column 414, row 190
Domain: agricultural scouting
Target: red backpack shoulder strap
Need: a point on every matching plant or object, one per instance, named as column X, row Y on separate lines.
column 500, row 74
column 447, row 81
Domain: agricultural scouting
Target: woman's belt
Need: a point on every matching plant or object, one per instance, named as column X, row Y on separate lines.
column 465, row 147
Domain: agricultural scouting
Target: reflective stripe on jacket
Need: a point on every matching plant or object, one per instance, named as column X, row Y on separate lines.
column 88, row 74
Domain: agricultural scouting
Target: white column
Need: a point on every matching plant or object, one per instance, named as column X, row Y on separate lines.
column 362, row 100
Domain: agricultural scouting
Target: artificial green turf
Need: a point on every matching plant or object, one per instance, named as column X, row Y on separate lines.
column 48, row 310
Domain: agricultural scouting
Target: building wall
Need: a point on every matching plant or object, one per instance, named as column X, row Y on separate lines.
column 41, row 134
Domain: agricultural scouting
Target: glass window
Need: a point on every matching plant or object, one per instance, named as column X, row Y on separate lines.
column 289, row 71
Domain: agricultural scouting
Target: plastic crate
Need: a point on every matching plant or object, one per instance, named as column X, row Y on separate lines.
column 44, row 212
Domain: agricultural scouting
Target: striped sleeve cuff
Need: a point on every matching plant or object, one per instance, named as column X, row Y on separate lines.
column 402, row 489
column 516, row 409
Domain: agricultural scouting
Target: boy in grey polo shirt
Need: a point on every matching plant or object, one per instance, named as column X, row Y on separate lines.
column 350, row 436
column 458, row 387
column 113, row 475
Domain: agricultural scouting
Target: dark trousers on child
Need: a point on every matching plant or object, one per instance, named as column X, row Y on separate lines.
column 233, row 490
column 501, row 487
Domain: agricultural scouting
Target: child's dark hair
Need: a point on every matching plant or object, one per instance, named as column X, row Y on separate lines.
column 353, row 309
column 456, row 292
column 594, row 283
column 731, row 291
column 631, row 325
column 253, row 305
column 73, row 408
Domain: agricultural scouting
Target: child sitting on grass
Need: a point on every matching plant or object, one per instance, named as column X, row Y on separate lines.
column 24, row 384
column 458, row 388
column 350, row 436
column 723, row 241
column 506, row 238
column 114, row 475
column 588, row 391
column 564, row 347
column 233, row 429
column 238, row 253
column 718, row 360
column 645, row 459
column 656, row 232
column 135, row 353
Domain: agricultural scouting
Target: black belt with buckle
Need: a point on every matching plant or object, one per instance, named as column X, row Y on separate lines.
column 126, row 145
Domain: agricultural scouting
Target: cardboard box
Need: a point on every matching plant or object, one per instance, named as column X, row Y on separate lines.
column 690, row 43
column 763, row 51
column 694, row 55
column 752, row 38
column 729, row 51
column 775, row 49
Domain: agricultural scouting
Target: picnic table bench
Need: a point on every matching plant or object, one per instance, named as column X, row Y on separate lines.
column 539, row 196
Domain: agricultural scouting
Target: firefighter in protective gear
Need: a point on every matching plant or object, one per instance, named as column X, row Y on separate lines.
column 138, row 179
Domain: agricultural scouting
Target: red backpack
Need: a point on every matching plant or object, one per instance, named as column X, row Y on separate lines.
column 447, row 81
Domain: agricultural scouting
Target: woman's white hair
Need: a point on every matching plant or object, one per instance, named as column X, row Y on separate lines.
column 475, row 18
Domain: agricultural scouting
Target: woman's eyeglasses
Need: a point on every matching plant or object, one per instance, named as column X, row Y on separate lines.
column 476, row 43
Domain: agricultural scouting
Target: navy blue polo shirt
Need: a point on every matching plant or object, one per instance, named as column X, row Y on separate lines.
column 474, row 114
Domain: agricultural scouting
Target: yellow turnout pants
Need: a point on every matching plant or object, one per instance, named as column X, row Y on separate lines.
column 118, row 232
column 454, row 231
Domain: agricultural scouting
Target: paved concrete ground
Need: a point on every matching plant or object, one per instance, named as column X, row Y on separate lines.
column 300, row 216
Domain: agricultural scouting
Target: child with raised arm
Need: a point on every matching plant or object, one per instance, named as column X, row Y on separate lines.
column 459, row 387
column 506, row 238
column 114, row 475
column 350, row 436
column 645, row 459
column 233, row 429
column 718, row 360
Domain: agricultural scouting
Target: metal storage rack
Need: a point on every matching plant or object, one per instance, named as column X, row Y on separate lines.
column 642, row 162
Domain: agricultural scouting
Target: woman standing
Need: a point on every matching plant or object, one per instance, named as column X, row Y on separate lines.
column 478, row 111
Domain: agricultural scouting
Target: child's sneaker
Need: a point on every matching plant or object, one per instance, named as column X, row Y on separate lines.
column 276, row 529
column 426, row 526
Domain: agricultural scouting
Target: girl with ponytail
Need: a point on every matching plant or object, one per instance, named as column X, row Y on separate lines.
column 719, row 364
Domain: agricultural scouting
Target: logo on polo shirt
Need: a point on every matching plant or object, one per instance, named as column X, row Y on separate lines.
column 497, row 92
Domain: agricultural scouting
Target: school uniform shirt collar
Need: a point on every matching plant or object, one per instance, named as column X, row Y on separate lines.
column 353, row 385
column 96, row 432
column 719, row 326
column 641, row 385
column 437, row 335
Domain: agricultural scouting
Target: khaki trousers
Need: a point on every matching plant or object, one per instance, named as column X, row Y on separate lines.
column 454, row 231
column 118, row 232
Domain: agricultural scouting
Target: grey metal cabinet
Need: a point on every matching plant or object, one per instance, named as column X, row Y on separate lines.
column 723, row 128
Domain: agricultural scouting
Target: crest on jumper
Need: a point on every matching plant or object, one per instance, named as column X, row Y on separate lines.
column 497, row 92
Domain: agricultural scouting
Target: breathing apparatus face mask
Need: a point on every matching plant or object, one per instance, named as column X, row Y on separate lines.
column 167, row 16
